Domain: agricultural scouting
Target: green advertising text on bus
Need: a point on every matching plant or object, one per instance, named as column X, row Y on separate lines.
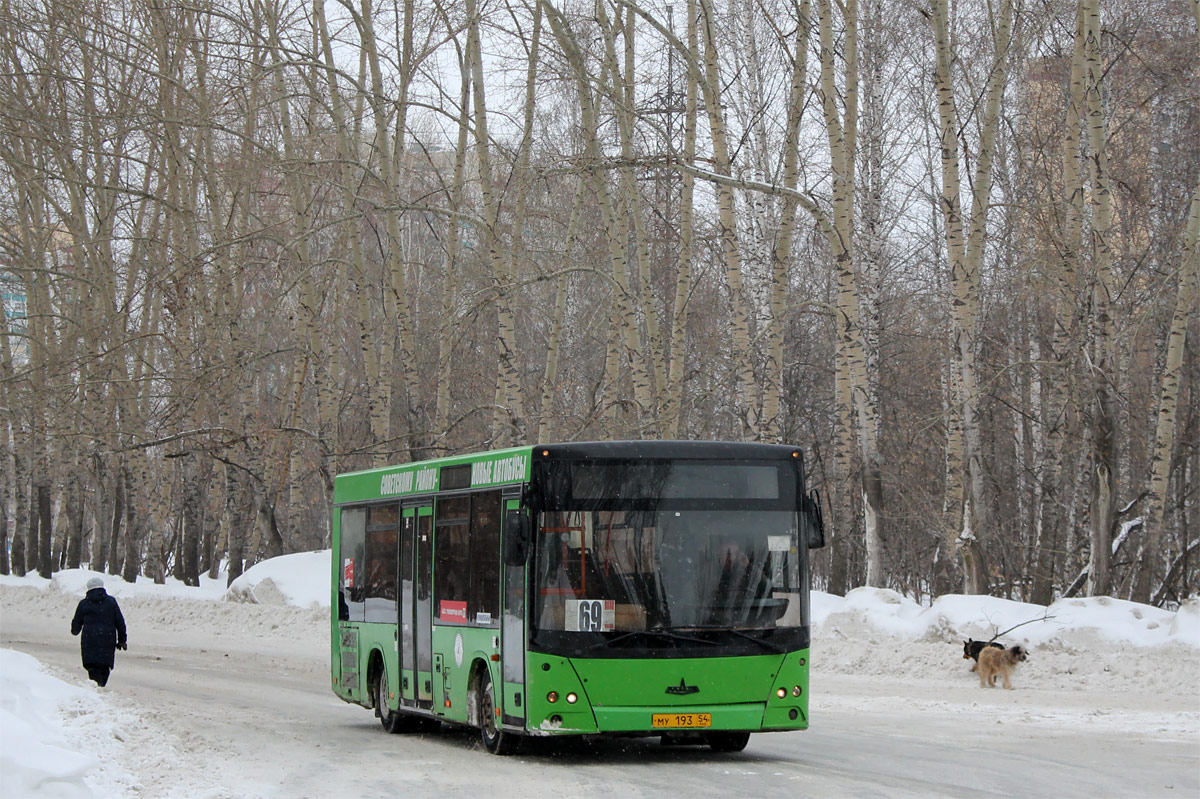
column 626, row 588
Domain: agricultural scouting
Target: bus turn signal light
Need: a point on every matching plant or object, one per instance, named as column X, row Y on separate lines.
column 796, row 690
column 552, row 697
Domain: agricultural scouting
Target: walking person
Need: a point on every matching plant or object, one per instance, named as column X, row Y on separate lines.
column 99, row 618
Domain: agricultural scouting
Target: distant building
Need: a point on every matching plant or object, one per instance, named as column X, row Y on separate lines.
column 12, row 291
column 12, row 299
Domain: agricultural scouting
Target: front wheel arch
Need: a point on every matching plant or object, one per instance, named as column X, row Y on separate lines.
column 480, row 669
column 495, row 739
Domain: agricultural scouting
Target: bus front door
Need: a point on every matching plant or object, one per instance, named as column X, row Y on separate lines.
column 416, row 616
column 512, row 636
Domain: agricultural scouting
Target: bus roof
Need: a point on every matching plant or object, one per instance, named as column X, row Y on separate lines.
column 507, row 466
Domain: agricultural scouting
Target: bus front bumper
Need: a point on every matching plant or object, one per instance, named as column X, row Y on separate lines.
column 693, row 718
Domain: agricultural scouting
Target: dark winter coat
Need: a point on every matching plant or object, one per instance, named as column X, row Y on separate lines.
column 99, row 618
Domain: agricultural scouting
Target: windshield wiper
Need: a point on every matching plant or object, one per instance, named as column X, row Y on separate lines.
column 667, row 634
column 771, row 645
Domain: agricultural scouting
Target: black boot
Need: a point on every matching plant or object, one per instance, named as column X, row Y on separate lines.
column 99, row 674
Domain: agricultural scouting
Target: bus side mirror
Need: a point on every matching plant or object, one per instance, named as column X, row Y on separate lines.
column 814, row 522
column 517, row 529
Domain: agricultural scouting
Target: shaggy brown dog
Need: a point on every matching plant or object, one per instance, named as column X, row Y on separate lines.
column 1000, row 662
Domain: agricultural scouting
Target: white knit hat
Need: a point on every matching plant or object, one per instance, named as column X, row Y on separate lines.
column 95, row 582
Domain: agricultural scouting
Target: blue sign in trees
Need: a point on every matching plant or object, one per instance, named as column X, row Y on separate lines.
column 12, row 300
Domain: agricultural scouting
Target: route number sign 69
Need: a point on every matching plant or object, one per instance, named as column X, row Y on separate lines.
column 590, row 615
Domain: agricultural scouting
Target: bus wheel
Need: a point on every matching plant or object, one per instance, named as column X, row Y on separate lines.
column 495, row 740
column 728, row 741
column 391, row 720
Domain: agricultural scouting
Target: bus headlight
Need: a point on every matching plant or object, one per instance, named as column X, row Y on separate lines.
column 572, row 698
column 781, row 693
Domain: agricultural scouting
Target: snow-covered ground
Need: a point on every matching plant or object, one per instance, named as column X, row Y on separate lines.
column 62, row 737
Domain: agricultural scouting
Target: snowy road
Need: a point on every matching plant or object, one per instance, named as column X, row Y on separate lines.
column 203, row 713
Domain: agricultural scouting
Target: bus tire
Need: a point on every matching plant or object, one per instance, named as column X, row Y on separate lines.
column 393, row 721
column 495, row 740
column 728, row 741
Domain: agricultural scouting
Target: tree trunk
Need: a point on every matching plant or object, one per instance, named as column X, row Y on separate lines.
column 622, row 91
column 1168, row 401
column 279, row 469
column 5, row 564
column 45, row 530
column 7, row 508
column 98, row 503
column 673, row 403
column 550, row 376
column 75, row 516
column 781, row 257
column 965, row 240
column 508, row 420
column 193, row 523
column 843, row 524
column 397, row 303
column 1104, row 371
column 623, row 314
column 22, row 557
column 237, row 507
column 130, row 561
column 1058, row 374
column 116, row 552
column 856, row 411
column 456, row 200
column 739, row 327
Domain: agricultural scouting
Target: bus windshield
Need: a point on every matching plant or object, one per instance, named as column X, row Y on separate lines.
column 677, row 570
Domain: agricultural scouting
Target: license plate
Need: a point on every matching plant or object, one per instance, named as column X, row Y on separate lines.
column 680, row 720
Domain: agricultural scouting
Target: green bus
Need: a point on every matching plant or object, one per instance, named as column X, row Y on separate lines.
column 619, row 588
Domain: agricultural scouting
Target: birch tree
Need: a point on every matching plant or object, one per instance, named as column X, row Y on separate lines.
column 1057, row 377
column 623, row 311
column 1168, row 401
column 781, row 256
column 508, row 424
column 966, row 235
column 1103, row 366
column 855, row 408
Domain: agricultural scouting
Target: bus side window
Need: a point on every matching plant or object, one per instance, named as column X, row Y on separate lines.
column 353, row 555
column 484, row 604
column 379, row 590
column 451, row 577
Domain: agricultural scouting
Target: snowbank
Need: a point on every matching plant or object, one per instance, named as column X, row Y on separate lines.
column 74, row 581
column 1116, row 621
column 301, row 580
column 56, row 740
column 1076, row 645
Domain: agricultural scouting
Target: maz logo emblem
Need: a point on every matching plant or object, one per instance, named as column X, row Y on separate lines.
column 683, row 689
